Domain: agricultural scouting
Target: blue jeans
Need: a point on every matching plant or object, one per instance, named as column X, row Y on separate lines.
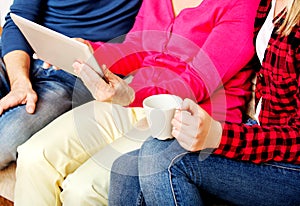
column 162, row 173
column 57, row 92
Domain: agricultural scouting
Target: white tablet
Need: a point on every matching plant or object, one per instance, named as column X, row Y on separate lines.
column 55, row 48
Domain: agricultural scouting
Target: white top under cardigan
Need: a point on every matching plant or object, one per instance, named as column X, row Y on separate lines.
column 262, row 41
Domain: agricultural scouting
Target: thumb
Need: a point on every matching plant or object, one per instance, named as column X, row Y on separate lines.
column 31, row 103
column 108, row 75
column 35, row 56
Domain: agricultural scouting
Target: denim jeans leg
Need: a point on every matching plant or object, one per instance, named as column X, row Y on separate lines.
column 124, row 186
column 56, row 91
column 154, row 160
column 170, row 177
column 237, row 182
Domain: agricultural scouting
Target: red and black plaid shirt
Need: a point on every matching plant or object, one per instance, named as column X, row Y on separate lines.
column 278, row 136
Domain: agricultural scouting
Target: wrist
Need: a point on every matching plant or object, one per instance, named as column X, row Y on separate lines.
column 21, row 81
column 214, row 135
column 218, row 133
column 131, row 97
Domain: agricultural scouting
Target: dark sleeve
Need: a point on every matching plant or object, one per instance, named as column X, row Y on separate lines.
column 12, row 38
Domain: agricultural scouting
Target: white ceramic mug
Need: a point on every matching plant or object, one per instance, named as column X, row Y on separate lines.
column 159, row 111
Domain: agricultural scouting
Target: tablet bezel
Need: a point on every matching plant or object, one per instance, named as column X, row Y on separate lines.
column 55, row 48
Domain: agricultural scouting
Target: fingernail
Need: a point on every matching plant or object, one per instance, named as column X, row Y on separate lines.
column 75, row 64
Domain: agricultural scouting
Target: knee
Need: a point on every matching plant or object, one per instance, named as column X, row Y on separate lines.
column 154, row 146
column 8, row 147
column 75, row 190
column 124, row 171
column 156, row 156
column 126, row 165
column 124, row 182
column 28, row 155
column 44, row 150
column 84, row 189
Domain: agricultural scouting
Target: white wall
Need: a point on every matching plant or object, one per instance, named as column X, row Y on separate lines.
column 4, row 8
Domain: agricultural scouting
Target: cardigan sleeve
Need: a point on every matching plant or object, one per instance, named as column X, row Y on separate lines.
column 228, row 48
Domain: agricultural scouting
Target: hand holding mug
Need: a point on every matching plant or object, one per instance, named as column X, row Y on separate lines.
column 194, row 128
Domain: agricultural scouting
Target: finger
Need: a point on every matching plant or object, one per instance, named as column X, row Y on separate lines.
column 190, row 105
column 82, row 69
column 89, row 75
column 187, row 123
column 46, row 65
column 55, row 68
column 185, row 117
column 77, row 67
column 85, row 42
column 113, row 79
column 184, row 140
column 82, row 40
column 31, row 103
column 85, row 71
column 187, row 129
column 7, row 102
column 175, row 132
column 35, row 56
column 176, row 123
column 79, row 39
column 90, row 78
column 89, row 45
column 106, row 73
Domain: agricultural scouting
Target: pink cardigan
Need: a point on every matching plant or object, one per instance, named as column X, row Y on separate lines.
column 199, row 54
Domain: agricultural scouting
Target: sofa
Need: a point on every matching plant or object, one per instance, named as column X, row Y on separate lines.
column 7, row 182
